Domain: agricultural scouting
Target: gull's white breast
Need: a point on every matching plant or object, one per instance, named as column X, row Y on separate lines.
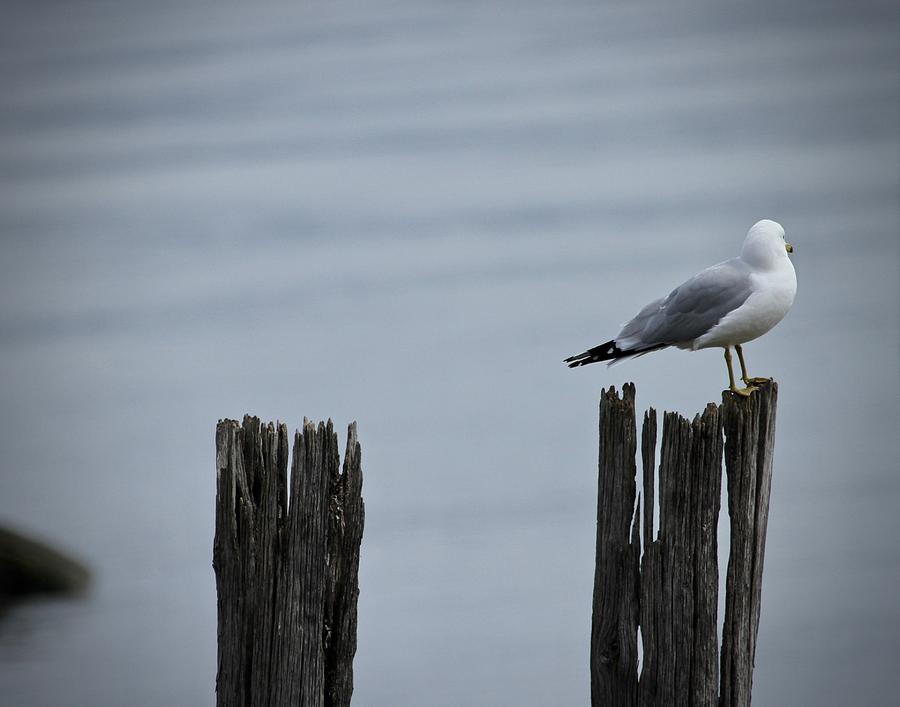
column 772, row 297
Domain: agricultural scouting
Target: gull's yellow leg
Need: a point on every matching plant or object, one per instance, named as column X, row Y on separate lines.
column 744, row 375
column 734, row 389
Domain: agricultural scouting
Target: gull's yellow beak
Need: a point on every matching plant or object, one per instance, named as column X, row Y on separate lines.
column 789, row 248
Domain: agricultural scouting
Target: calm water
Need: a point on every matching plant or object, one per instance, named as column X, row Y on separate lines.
column 407, row 214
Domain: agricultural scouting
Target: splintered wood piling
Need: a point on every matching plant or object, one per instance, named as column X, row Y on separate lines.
column 286, row 559
column 666, row 584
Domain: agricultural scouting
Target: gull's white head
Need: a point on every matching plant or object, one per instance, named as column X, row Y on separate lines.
column 765, row 246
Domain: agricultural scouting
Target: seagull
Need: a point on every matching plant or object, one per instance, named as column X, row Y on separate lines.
column 725, row 305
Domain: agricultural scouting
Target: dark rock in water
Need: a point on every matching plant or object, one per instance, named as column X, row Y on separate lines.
column 30, row 567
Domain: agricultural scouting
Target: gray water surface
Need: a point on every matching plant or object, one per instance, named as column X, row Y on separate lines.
column 407, row 214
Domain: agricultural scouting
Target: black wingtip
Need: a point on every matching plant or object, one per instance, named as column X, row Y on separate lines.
column 609, row 351
column 605, row 352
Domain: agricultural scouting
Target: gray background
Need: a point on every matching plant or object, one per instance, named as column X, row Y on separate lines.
column 407, row 214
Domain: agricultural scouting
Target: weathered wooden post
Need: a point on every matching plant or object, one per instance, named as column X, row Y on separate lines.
column 286, row 565
column 749, row 447
column 670, row 591
column 614, row 631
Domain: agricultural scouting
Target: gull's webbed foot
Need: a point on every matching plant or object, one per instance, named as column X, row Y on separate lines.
column 743, row 392
column 756, row 380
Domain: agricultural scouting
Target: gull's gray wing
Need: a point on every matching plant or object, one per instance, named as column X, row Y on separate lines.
column 691, row 309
